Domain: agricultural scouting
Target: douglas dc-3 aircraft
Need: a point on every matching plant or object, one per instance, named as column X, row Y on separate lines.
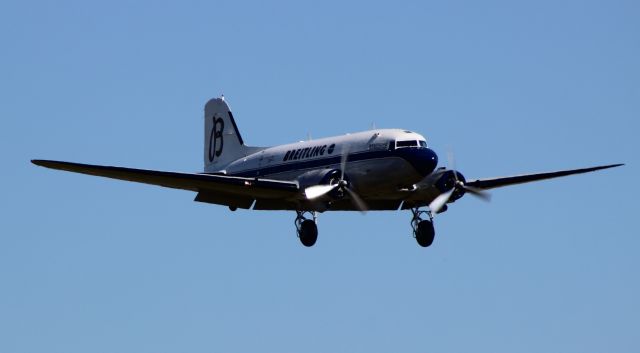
column 380, row 169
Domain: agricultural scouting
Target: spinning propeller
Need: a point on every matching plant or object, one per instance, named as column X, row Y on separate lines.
column 316, row 191
column 436, row 205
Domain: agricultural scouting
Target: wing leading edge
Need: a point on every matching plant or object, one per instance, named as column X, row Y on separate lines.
column 232, row 191
column 527, row 178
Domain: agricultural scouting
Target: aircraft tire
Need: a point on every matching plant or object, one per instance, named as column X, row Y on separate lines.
column 425, row 233
column 308, row 233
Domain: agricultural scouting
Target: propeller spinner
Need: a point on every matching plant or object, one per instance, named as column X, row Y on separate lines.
column 458, row 185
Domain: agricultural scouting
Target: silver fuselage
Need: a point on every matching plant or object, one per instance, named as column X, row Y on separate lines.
column 378, row 165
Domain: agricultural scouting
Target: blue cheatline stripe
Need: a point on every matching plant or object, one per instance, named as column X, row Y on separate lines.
column 405, row 153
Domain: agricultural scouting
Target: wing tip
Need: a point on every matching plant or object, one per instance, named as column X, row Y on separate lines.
column 49, row 163
column 611, row 166
column 46, row 163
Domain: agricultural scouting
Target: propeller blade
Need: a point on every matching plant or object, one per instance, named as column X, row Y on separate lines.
column 343, row 162
column 483, row 195
column 437, row 204
column 451, row 163
column 477, row 192
column 357, row 201
column 316, row 191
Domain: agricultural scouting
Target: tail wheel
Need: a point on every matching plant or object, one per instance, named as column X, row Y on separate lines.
column 425, row 233
column 308, row 233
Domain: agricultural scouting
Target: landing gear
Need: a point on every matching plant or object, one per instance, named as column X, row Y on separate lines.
column 423, row 230
column 306, row 228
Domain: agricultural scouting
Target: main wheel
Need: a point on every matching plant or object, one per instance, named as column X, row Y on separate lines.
column 308, row 233
column 425, row 233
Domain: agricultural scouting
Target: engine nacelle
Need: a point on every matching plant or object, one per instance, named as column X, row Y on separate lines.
column 323, row 177
column 447, row 181
column 318, row 177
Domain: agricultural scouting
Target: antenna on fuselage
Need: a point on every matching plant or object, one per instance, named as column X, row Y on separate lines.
column 308, row 136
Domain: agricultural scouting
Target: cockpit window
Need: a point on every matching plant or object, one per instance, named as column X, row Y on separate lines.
column 423, row 143
column 408, row 143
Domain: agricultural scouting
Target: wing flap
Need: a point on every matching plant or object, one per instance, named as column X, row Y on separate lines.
column 527, row 178
column 185, row 181
column 226, row 199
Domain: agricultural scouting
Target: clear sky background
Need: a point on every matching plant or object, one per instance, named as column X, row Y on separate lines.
column 95, row 265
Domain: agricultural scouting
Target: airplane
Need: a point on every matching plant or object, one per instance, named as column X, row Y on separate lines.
column 374, row 170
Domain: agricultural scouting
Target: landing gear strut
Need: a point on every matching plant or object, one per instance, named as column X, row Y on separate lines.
column 423, row 229
column 306, row 228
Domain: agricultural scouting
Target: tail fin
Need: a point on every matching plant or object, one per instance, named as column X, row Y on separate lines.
column 222, row 141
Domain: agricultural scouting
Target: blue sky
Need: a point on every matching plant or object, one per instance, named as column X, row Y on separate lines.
column 95, row 265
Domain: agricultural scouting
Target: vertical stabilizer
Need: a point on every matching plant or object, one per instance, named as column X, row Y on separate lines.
column 222, row 141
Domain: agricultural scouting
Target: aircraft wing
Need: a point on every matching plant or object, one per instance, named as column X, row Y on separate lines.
column 527, row 178
column 219, row 189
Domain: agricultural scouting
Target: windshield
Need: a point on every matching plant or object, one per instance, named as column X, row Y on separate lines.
column 407, row 143
column 411, row 143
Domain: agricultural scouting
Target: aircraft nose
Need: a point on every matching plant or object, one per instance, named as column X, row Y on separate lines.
column 429, row 162
column 424, row 160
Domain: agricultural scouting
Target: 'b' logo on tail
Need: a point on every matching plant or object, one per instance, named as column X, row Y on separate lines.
column 215, row 139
